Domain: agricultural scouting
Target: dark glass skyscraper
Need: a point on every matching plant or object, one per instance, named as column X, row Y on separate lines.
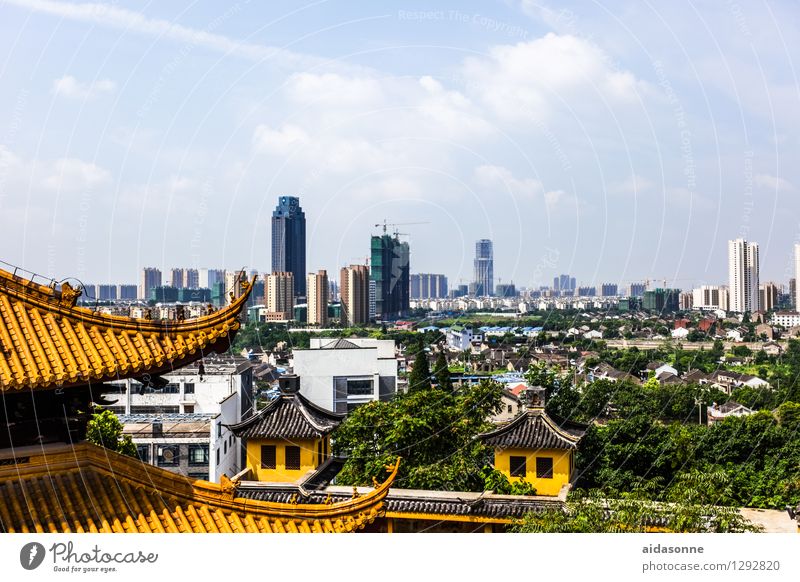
column 389, row 268
column 484, row 269
column 289, row 241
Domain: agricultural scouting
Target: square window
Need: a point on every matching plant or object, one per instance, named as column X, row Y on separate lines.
column 168, row 455
column 544, row 467
column 268, row 456
column 292, row 458
column 518, row 466
column 188, row 388
column 198, row 455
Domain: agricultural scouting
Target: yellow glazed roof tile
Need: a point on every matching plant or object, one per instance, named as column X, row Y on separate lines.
column 47, row 342
column 85, row 488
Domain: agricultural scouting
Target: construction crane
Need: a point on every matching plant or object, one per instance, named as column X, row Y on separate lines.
column 386, row 224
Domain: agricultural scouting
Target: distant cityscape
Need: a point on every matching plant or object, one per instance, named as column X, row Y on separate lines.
column 384, row 289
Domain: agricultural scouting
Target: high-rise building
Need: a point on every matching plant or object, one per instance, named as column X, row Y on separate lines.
column 768, row 296
column 373, row 294
column 191, row 278
column 506, row 290
column 389, row 268
column 354, row 293
column 289, row 241
column 127, row 292
column 428, row 286
column 483, row 279
column 279, row 296
column 743, row 276
column 107, row 292
column 564, row 283
column 207, row 278
column 794, row 292
column 662, row 300
column 710, row 297
column 317, row 289
column 177, row 278
column 151, row 278
column 609, row 290
column 587, row 291
column 637, row 289
column 686, row 301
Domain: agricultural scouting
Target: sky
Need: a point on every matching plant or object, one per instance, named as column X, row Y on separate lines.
column 615, row 141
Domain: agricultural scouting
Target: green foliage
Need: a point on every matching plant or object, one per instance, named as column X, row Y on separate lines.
column 757, row 457
column 431, row 430
column 104, row 429
column 496, row 481
column 688, row 510
column 420, row 377
column 442, row 372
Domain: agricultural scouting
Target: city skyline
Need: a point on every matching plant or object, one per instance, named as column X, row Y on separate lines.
column 109, row 164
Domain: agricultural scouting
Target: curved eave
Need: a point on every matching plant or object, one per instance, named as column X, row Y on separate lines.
column 60, row 346
column 570, row 441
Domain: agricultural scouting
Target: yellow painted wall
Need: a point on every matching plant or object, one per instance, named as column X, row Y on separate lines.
column 561, row 467
column 308, row 459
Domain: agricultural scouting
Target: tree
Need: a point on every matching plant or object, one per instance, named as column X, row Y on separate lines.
column 432, row 431
column 442, row 372
column 420, row 377
column 104, row 429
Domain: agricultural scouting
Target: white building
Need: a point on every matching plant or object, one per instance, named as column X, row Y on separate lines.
column 710, row 298
column 796, row 276
column 787, row 319
column 460, row 337
column 743, row 276
column 181, row 425
column 341, row 374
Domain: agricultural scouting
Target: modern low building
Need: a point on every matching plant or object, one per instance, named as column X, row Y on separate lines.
column 341, row 374
column 460, row 337
column 787, row 319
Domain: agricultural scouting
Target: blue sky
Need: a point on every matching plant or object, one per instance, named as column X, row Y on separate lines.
column 614, row 141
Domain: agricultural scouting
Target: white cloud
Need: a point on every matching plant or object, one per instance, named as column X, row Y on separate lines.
column 772, row 182
column 533, row 80
column 499, row 177
column 633, row 184
column 335, row 90
column 68, row 86
column 279, row 141
column 72, row 175
column 129, row 20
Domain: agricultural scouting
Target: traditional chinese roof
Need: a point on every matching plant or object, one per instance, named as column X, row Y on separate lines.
column 48, row 342
column 291, row 416
column 534, row 429
column 486, row 507
column 85, row 488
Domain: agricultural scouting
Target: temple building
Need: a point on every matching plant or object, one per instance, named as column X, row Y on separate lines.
column 536, row 448
column 289, row 438
column 55, row 358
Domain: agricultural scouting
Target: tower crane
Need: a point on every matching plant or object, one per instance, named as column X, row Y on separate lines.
column 386, row 224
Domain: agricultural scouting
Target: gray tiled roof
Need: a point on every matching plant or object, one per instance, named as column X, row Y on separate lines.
column 341, row 344
column 534, row 430
column 291, row 416
column 410, row 501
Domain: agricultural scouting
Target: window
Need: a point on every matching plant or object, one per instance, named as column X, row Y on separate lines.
column 203, row 476
column 292, row 458
column 268, row 456
column 188, row 408
column 168, row 456
column 544, row 467
column 217, row 457
column 188, row 388
column 198, row 455
column 359, row 387
column 172, row 388
column 154, row 409
column 509, row 409
column 518, row 467
column 225, row 448
column 143, row 452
